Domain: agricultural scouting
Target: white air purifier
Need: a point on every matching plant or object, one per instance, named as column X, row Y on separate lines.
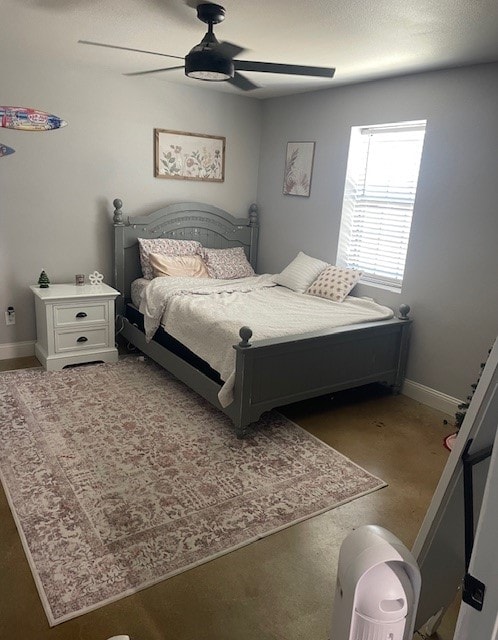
column 378, row 586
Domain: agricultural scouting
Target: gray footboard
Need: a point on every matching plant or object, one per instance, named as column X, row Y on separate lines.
column 276, row 372
column 272, row 373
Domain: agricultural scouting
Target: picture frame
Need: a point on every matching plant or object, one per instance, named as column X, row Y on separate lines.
column 181, row 155
column 298, row 168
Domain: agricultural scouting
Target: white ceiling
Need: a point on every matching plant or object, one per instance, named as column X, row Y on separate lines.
column 363, row 40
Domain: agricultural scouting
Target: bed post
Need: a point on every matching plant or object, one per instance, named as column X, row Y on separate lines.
column 403, row 311
column 254, row 227
column 119, row 227
column 243, row 383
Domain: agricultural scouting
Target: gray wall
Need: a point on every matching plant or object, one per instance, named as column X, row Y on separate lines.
column 56, row 191
column 452, row 265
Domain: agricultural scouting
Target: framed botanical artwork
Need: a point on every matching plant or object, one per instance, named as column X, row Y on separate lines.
column 180, row 155
column 298, row 168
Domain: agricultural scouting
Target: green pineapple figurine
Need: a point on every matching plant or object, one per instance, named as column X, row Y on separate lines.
column 43, row 280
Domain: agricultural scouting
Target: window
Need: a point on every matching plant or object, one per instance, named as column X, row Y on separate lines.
column 379, row 195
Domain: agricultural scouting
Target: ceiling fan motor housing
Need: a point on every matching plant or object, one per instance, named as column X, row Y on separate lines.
column 204, row 62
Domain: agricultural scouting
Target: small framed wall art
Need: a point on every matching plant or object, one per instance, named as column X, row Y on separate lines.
column 298, row 168
column 180, row 155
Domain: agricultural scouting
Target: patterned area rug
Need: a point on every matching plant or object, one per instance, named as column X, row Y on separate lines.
column 119, row 476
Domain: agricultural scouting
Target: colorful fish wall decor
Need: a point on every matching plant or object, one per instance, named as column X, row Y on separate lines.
column 25, row 119
column 5, row 150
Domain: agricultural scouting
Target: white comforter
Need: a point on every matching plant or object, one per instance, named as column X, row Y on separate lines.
column 206, row 315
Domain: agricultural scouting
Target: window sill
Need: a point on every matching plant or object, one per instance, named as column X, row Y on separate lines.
column 377, row 285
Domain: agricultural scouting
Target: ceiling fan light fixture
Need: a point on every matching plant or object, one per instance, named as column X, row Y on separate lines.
column 206, row 65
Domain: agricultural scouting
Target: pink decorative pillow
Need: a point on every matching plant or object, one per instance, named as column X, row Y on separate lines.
column 334, row 283
column 166, row 247
column 192, row 266
column 227, row 264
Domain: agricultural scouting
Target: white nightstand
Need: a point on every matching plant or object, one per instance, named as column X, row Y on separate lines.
column 74, row 324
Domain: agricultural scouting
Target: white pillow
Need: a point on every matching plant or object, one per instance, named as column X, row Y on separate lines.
column 300, row 273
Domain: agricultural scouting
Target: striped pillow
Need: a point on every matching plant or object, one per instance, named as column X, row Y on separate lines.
column 300, row 273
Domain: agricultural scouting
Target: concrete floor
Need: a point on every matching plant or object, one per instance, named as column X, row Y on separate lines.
column 281, row 587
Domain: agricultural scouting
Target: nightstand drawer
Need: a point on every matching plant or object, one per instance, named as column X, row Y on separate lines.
column 81, row 340
column 72, row 315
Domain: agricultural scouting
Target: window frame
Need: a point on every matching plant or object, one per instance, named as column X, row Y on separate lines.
column 359, row 218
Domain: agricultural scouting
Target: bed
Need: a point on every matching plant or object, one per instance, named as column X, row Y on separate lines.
column 269, row 372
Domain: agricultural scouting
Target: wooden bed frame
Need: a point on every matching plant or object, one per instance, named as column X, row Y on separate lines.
column 269, row 373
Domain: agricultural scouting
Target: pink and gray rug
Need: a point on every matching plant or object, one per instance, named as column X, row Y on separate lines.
column 119, row 476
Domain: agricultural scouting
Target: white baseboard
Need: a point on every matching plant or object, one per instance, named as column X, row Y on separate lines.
column 430, row 397
column 17, row 350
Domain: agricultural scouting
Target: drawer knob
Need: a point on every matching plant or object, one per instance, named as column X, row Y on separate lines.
column 82, row 339
column 81, row 314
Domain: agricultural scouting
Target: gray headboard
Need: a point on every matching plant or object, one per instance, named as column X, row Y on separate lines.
column 212, row 227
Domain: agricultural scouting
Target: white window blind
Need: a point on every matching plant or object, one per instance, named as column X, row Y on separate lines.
column 379, row 196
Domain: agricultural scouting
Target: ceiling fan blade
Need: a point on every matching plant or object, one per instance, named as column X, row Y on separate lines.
column 144, row 73
column 241, row 82
column 115, row 46
column 228, row 49
column 291, row 69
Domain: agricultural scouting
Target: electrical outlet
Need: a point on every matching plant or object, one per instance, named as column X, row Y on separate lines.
column 10, row 316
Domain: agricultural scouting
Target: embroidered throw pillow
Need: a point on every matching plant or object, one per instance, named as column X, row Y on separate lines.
column 227, row 264
column 300, row 273
column 191, row 266
column 166, row 247
column 334, row 283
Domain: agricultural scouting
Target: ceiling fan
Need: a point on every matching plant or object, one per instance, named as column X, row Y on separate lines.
column 214, row 61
